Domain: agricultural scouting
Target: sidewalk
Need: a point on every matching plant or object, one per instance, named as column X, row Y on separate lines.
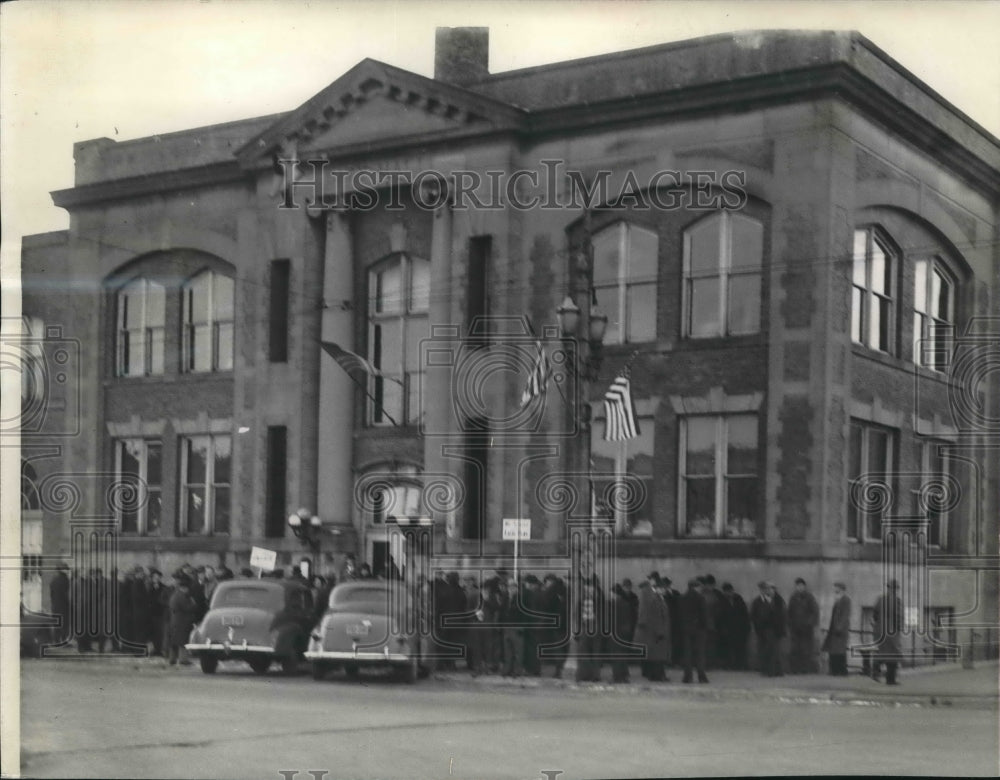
column 945, row 685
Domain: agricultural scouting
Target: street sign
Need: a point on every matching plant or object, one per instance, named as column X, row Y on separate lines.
column 261, row 558
column 515, row 528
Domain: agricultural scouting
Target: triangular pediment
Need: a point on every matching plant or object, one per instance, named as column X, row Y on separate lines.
column 375, row 104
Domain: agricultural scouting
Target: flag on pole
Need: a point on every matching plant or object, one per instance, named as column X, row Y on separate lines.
column 620, row 422
column 538, row 379
column 351, row 362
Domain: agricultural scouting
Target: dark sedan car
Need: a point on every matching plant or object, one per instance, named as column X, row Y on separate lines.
column 257, row 621
column 36, row 632
column 367, row 624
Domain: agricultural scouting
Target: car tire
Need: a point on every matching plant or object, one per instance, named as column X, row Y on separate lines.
column 352, row 671
column 260, row 665
column 209, row 664
column 319, row 670
column 411, row 672
column 290, row 664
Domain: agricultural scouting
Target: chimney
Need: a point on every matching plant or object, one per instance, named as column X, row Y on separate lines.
column 461, row 54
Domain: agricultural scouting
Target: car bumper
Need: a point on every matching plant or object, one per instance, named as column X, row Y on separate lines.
column 370, row 656
column 228, row 649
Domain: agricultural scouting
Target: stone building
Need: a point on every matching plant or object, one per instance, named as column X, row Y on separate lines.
column 796, row 247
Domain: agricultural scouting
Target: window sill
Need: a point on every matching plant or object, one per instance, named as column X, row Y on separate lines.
column 167, row 379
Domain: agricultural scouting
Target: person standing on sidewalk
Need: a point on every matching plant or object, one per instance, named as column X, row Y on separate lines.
column 767, row 614
column 183, row 613
column 736, row 620
column 803, row 618
column 839, row 633
column 652, row 629
column 695, row 622
column 887, row 621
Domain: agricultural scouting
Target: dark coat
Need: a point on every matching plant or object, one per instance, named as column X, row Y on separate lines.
column 803, row 612
column 736, row 617
column 887, row 623
column 694, row 612
column 59, row 594
column 768, row 618
column 183, row 613
column 552, row 601
column 652, row 627
column 839, row 635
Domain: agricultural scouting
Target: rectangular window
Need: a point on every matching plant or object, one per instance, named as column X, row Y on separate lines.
column 205, row 490
column 723, row 259
column 933, row 314
column 628, row 496
column 936, row 489
column 478, row 293
column 277, row 469
column 139, row 472
column 625, row 260
column 872, row 275
column 141, row 315
column 277, row 343
column 720, row 485
column 871, row 459
column 208, row 310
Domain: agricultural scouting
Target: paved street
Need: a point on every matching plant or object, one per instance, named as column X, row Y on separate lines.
column 89, row 718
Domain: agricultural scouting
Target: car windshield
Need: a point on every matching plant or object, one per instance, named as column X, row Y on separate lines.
column 249, row 596
column 375, row 597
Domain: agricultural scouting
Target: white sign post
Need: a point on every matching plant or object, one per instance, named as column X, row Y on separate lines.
column 516, row 529
column 262, row 558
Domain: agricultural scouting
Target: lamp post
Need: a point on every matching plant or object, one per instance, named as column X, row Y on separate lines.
column 307, row 527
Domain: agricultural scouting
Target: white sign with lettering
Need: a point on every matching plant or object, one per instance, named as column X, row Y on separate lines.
column 515, row 528
column 262, row 558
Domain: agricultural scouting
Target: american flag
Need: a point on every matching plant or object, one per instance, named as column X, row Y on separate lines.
column 620, row 423
column 538, row 379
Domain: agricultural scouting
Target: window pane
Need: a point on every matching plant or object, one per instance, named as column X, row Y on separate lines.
column 131, row 455
column 223, row 458
column 420, row 284
column 134, row 363
column 156, row 351
column 704, row 247
column 884, row 321
column 129, row 517
column 878, row 451
column 941, row 300
column 416, row 332
column 130, row 305
column 225, row 356
column 607, row 301
column 196, row 299
column 857, row 298
column 389, row 289
column 201, row 348
column 700, row 498
column 919, row 345
column 154, row 511
column 391, row 347
column 642, row 251
column 880, row 269
column 221, row 511
column 741, row 507
column 392, row 400
column 411, row 501
column 156, row 305
column 195, row 508
column 860, row 257
column 642, row 312
column 747, row 244
column 154, row 463
column 875, row 322
column 705, row 307
column 414, row 410
column 920, row 286
column 744, row 303
column 223, row 297
column 700, row 445
column 607, row 250
column 197, row 460
column 742, row 445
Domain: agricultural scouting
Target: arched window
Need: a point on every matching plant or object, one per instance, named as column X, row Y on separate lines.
column 933, row 313
column 872, row 317
column 208, row 323
column 141, row 306
column 398, row 303
column 625, row 263
column 723, row 256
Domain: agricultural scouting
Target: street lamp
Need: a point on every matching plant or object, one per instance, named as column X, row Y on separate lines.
column 307, row 527
column 569, row 322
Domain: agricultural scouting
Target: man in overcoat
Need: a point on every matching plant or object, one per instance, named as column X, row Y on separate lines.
column 838, row 635
column 694, row 623
column 803, row 618
column 767, row 614
column 887, row 623
column 183, row 614
column 555, row 637
column 736, row 626
column 652, row 629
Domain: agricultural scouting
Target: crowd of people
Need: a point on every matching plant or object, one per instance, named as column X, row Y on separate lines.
column 501, row 624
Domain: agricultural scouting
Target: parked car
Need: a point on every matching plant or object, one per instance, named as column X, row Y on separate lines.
column 36, row 632
column 257, row 621
column 367, row 624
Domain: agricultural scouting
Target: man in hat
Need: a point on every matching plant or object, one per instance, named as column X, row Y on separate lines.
column 767, row 614
column 887, row 623
column 803, row 618
column 839, row 634
column 652, row 629
column 694, row 623
column 734, row 628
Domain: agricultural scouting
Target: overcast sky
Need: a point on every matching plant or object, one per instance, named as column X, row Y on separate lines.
column 72, row 70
